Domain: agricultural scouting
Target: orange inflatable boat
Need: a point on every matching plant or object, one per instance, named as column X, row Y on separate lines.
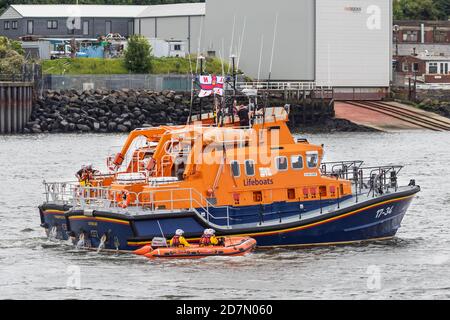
column 233, row 246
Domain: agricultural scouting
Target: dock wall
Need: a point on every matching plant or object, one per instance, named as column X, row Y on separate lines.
column 16, row 102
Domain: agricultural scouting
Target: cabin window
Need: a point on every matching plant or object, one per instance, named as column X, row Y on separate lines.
column 312, row 159
column 297, row 162
column 282, row 163
column 250, row 167
column 235, row 169
column 14, row 24
column 6, row 25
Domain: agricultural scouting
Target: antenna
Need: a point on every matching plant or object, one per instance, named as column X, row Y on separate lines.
column 242, row 42
column 232, row 42
column 189, row 120
column 260, row 56
column 199, row 43
column 273, row 45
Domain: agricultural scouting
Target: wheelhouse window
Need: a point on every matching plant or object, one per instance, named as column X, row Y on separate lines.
column 52, row 24
column 250, row 167
column 6, row 25
column 297, row 162
column 312, row 159
column 282, row 163
column 235, row 169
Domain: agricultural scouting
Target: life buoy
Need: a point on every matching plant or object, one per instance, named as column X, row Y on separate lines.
column 124, row 200
column 150, row 164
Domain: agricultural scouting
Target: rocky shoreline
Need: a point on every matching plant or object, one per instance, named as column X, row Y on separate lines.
column 125, row 110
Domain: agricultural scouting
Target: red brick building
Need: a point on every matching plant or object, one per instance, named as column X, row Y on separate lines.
column 429, row 32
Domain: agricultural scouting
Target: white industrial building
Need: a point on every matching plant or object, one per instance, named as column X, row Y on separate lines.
column 344, row 44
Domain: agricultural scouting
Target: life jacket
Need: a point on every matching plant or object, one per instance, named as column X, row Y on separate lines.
column 205, row 240
column 176, row 241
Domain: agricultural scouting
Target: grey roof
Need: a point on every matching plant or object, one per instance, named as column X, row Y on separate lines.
column 174, row 10
column 108, row 11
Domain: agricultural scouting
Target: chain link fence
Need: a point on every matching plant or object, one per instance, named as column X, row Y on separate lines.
column 117, row 82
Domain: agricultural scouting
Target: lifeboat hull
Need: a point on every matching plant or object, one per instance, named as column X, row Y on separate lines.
column 234, row 246
column 367, row 220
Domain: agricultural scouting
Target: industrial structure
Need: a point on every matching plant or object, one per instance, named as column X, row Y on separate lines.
column 343, row 44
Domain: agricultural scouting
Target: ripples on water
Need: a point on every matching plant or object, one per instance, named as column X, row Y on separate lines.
column 414, row 265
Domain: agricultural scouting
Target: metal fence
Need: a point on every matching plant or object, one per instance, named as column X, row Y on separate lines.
column 118, row 82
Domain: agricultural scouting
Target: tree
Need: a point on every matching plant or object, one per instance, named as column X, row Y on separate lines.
column 138, row 55
column 416, row 10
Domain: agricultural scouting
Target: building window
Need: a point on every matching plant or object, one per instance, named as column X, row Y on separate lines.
column 297, row 162
column 14, row 24
column 444, row 68
column 30, row 26
column 405, row 66
column 440, row 36
column 6, row 25
column 415, row 67
column 282, row 164
column 85, row 28
column 235, row 169
column 433, row 68
column 177, row 47
column 410, row 36
column 52, row 24
column 108, row 27
column 250, row 168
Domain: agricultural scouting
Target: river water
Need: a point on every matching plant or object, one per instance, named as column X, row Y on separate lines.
column 414, row 265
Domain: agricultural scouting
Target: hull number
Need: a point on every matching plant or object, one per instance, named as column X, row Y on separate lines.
column 384, row 212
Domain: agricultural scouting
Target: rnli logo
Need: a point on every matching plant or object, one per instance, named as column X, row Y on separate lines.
column 257, row 182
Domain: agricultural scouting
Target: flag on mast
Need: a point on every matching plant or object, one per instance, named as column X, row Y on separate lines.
column 211, row 84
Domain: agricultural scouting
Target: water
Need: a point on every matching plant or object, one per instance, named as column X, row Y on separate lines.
column 415, row 265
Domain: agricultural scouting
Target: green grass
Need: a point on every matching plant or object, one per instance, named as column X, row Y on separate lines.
column 170, row 65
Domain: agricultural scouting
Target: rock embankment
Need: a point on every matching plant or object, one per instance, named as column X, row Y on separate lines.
column 108, row 111
column 102, row 111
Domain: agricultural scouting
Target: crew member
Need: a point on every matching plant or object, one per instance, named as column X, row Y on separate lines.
column 244, row 120
column 208, row 238
column 178, row 240
column 80, row 173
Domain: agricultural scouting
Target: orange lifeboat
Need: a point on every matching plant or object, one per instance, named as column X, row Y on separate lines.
column 233, row 246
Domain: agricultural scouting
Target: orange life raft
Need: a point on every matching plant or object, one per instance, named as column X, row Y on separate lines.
column 233, row 246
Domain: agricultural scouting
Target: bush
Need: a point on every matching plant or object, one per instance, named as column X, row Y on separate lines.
column 11, row 58
column 138, row 56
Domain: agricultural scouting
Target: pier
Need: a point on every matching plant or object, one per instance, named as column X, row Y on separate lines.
column 16, row 100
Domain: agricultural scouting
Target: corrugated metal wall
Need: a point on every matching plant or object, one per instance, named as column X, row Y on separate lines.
column 353, row 43
column 294, row 45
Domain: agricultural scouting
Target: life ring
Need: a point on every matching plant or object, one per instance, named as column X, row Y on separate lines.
column 124, row 199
